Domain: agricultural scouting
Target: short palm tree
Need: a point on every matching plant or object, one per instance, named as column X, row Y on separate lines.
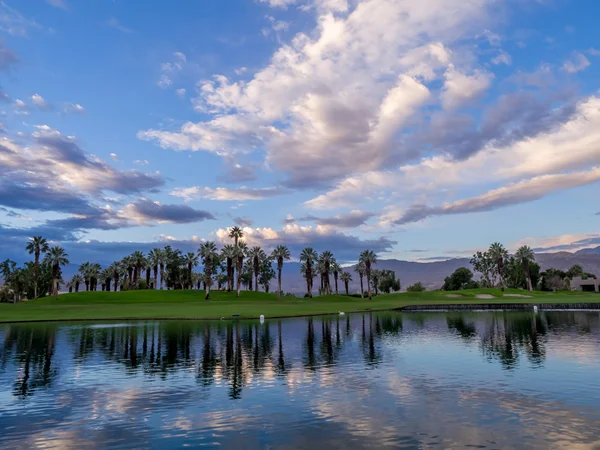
column 498, row 254
column 236, row 233
column 76, row 280
column 84, row 270
column 138, row 261
column 240, row 251
column 360, row 270
column 526, row 256
column 208, row 252
column 309, row 256
column 325, row 261
column 368, row 258
column 36, row 246
column 117, row 269
column 56, row 257
column 346, row 278
column 280, row 253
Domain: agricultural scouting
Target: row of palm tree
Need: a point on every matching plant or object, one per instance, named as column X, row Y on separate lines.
column 492, row 262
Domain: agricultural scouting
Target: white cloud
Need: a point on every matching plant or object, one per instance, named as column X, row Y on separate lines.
column 502, row 58
column 58, row 4
column 180, row 93
column 114, row 157
column 568, row 146
column 114, row 23
column 279, row 3
column 565, row 242
column 13, row 22
column 164, row 82
column 577, row 63
column 21, row 107
column 171, row 69
column 344, row 92
column 460, row 88
column 141, row 162
column 73, row 108
column 39, row 101
column 227, row 194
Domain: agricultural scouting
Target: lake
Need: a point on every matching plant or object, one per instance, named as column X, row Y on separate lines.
column 380, row 380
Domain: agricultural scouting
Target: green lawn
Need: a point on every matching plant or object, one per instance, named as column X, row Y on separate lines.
column 191, row 304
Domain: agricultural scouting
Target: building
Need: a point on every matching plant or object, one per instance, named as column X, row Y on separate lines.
column 589, row 285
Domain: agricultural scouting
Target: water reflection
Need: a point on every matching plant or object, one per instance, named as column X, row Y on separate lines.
column 361, row 364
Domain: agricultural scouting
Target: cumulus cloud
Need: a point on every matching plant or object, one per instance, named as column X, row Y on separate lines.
column 227, row 194
column 21, row 107
column 144, row 211
column 114, row 157
column 502, row 58
column 141, row 162
column 279, row 3
column 345, row 247
column 344, row 93
column 73, row 108
column 180, row 93
column 39, row 101
column 577, row 63
column 168, row 70
column 521, row 192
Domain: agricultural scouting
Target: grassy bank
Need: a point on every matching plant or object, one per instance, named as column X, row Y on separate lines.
column 191, row 304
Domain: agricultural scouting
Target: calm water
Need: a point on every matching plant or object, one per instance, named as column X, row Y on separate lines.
column 438, row 380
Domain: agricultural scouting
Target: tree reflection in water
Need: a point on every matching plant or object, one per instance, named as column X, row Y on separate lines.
column 235, row 353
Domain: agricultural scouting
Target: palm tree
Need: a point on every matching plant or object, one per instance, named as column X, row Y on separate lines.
column 346, row 278
column 325, row 260
column 56, row 257
column 308, row 256
column 191, row 261
column 162, row 262
column 106, row 277
column 335, row 268
column 360, row 270
column 228, row 254
column 138, row 261
column 128, row 265
column 240, row 251
column 84, row 270
column 236, row 233
column 76, row 281
column 526, row 255
column 369, row 258
column 498, row 254
column 94, row 274
column 257, row 254
column 148, row 273
column 281, row 253
column 208, row 252
column 117, row 268
column 154, row 257
column 37, row 245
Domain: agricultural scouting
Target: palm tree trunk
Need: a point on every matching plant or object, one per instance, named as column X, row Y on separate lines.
column 278, row 283
column 162, row 271
column 362, row 290
column 207, row 271
column 255, row 281
column 36, row 273
column 239, row 276
column 368, row 270
column 346, row 283
column 336, row 283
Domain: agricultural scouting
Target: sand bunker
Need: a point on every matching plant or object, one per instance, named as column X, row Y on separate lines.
column 517, row 295
column 484, row 296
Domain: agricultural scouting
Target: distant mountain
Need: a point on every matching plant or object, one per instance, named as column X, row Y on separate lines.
column 589, row 251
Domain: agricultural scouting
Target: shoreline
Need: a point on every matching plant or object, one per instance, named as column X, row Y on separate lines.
column 459, row 307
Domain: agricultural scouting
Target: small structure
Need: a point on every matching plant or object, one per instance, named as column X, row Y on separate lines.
column 589, row 285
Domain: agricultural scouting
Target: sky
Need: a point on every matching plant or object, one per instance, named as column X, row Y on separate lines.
column 422, row 130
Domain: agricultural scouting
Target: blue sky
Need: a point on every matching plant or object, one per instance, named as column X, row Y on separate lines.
column 420, row 129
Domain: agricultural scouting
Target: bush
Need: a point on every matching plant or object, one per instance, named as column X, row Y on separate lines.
column 417, row 287
column 142, row 285
column 6, row 294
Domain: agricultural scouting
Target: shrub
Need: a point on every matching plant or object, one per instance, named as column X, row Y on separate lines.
column 417, row 287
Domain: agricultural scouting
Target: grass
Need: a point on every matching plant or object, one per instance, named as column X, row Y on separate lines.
column 191, row 304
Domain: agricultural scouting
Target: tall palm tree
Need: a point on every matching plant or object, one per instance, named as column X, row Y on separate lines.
column 228, row 254
column 191, row 261
column 117, row 268
column 369, row 258
column 360, row 270
column 236, row 233
column 162, row 263
column 240, row 251
column 76, row 280
column 280, row 253
column 498, row 254
column 154, row 257
column 346, row 278
column 106, row 277
column 37, row 245
column 94, row 274
column 526, row 256
column 148, row 273
column 208, row 252
column 308, row 256
column 326, row 259
column 335, row 268
column 257, row 254
column 56, row 257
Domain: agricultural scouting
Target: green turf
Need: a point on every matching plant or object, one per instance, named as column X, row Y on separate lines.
column 191, row 304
